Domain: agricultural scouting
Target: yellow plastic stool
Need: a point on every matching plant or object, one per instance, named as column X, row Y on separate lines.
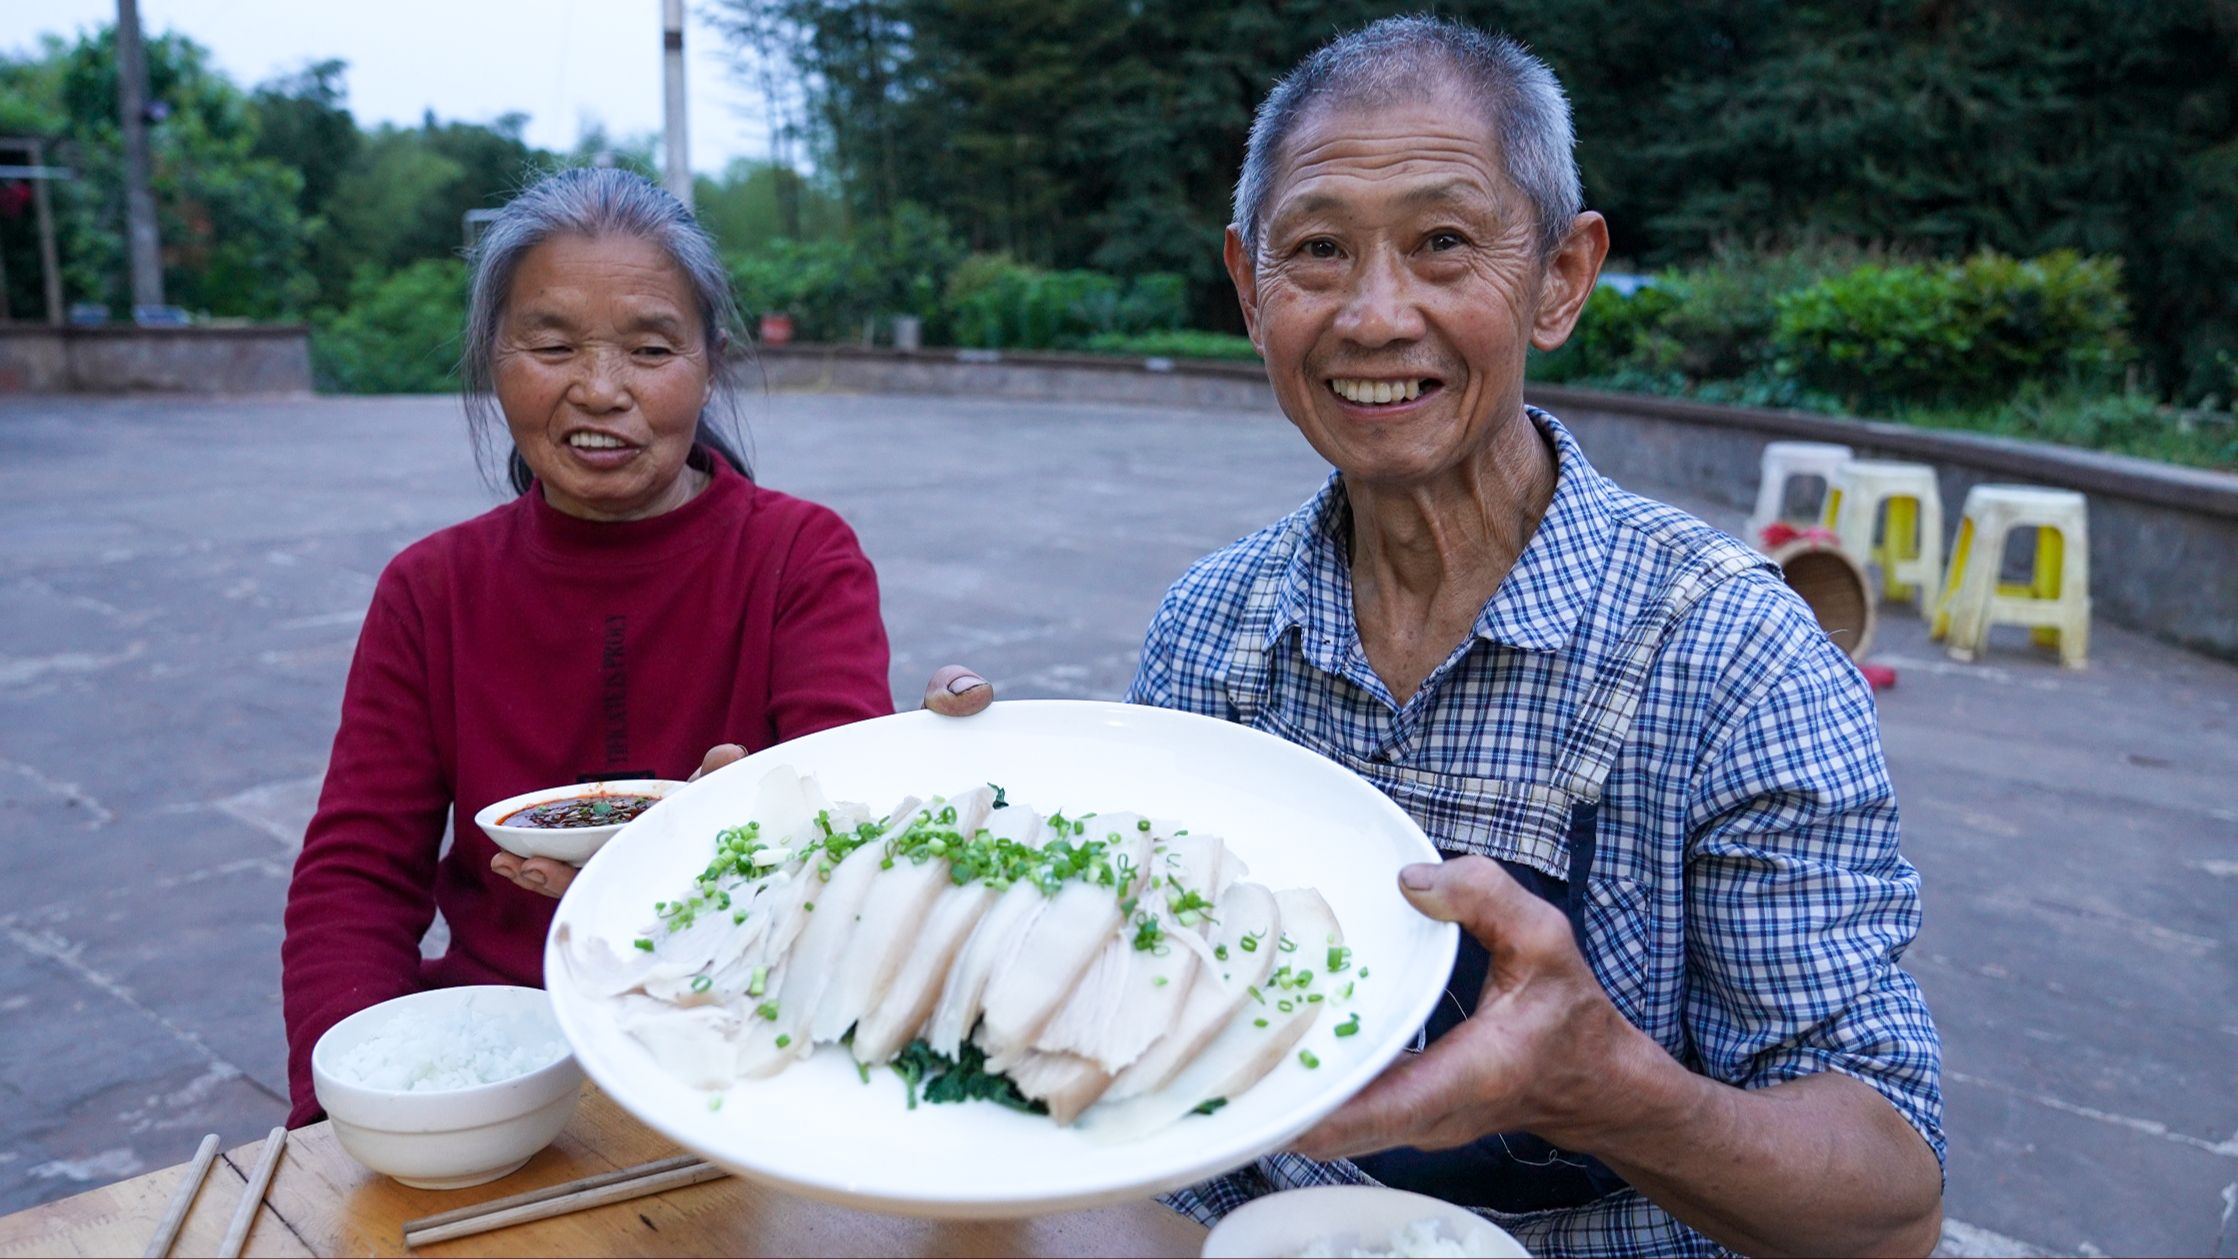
column 1910, row 550
column 1782, row 462
column 2054, row 603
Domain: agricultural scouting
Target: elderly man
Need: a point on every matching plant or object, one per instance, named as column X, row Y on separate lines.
column 1680, row 1024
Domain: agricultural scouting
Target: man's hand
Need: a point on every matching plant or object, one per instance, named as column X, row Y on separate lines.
column 954, row 691
column 1537, row 1055
column 1546, row 1053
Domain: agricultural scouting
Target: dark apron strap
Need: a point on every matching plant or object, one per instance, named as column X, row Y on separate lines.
column 1507, row 1171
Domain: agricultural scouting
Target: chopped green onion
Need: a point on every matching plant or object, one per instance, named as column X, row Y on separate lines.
column 1220, row 951
column 1288, row 945
column 701, row 983
column 809, row 906
column 1143, row 825
column 759, row 981
column 1286, row 1005
column 1258, row 1022
column 1157, row 981
column 768, row 1010
column 1207, row 1107
column 1306, row 1056
column 783, row 1040
column 643, row 943
column 715, row 1102
column 1350, row 1027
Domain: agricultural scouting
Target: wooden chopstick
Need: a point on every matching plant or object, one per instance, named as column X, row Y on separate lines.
column 575, row 1195
column 252, row 1195
column 197, row 1171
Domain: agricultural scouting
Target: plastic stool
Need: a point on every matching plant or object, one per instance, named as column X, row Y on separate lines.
column 1910, row 552
column 1782, row 462
column 2054, row 603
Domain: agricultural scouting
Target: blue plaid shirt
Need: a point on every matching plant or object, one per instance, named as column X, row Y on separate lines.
column 1748, row 904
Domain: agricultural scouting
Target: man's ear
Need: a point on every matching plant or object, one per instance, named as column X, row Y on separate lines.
column 1569, row 280
column 1245, row 274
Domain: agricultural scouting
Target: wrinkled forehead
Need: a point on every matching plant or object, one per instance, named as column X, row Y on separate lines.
column 1388, row 146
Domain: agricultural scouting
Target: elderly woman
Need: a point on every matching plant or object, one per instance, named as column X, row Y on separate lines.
column 641, row 600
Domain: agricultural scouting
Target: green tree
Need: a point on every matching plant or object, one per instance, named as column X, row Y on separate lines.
column 234, row 240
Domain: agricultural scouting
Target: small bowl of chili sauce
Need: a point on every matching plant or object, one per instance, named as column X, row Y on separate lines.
column 569, row 823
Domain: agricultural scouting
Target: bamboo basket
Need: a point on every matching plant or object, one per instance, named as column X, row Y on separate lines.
column 1834, row 587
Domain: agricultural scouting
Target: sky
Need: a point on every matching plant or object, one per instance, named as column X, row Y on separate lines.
column 562, row 62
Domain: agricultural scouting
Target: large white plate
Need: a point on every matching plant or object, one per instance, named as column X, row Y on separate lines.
column 1298, row 819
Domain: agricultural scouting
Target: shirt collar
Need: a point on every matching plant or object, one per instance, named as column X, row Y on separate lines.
column 1537, row 606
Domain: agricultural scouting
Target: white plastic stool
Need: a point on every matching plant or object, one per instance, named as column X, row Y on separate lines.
column 2054, row 603
column 1784, row 461
column 1910, row 550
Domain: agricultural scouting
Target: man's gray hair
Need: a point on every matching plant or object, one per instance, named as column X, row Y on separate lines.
column 1408, row 57
column 594, row 202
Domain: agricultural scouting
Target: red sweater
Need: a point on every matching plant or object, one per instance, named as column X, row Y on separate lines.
column 527, row 649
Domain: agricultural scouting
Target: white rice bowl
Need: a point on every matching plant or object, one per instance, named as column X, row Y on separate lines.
column 448, row 1088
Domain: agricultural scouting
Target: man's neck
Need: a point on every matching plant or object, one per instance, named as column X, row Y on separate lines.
column 1426, row 558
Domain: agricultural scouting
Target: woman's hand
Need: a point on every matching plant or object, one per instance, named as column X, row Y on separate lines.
column 535, row 874
column 954, row 691
column 958, row 692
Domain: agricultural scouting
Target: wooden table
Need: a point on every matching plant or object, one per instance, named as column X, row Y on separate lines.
column 322, row 1202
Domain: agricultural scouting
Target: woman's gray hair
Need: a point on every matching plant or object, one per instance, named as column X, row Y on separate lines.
column 1402, row 58
column 596, row 202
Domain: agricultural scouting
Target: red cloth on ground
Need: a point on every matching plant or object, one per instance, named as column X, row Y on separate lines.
column 527, row 649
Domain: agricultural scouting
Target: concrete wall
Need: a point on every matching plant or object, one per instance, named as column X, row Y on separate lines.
column 2163, row 539
column 258, row 359
column 2163, row 545
column 1058, row 377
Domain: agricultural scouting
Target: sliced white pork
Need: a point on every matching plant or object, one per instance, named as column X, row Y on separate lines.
column 1245, row 912
column 891, row 916
column 833, row 899
column 1066, row 1083
column 905, row 1007
column 1132, row 995
column 1244, row 1051
column 1027, row 987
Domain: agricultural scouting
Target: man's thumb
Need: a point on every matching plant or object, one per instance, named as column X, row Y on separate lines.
column 1472, row 891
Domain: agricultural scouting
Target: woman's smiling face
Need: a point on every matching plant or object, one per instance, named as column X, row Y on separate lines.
column 602, row 368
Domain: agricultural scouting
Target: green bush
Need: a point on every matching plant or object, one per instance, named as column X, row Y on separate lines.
column 828, row 287
column 997, row 303
column 1956, row 333
column 399, row 334
column 832, row 288
column 1722, row 313
column 1175, row 343
column 1608, row 332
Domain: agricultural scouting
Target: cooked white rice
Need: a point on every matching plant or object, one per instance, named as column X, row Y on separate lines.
column 415, row 1052
column 1419, row 1240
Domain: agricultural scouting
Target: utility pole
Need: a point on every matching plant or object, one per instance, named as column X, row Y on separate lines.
column 678, row 172
column 139, row 197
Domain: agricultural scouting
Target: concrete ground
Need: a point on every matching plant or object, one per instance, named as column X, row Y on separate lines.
column 182, row 582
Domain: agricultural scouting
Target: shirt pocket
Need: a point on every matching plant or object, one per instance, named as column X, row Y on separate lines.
column 1521, row 822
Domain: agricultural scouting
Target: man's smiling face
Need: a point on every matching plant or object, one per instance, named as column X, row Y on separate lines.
column 1396, row 286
